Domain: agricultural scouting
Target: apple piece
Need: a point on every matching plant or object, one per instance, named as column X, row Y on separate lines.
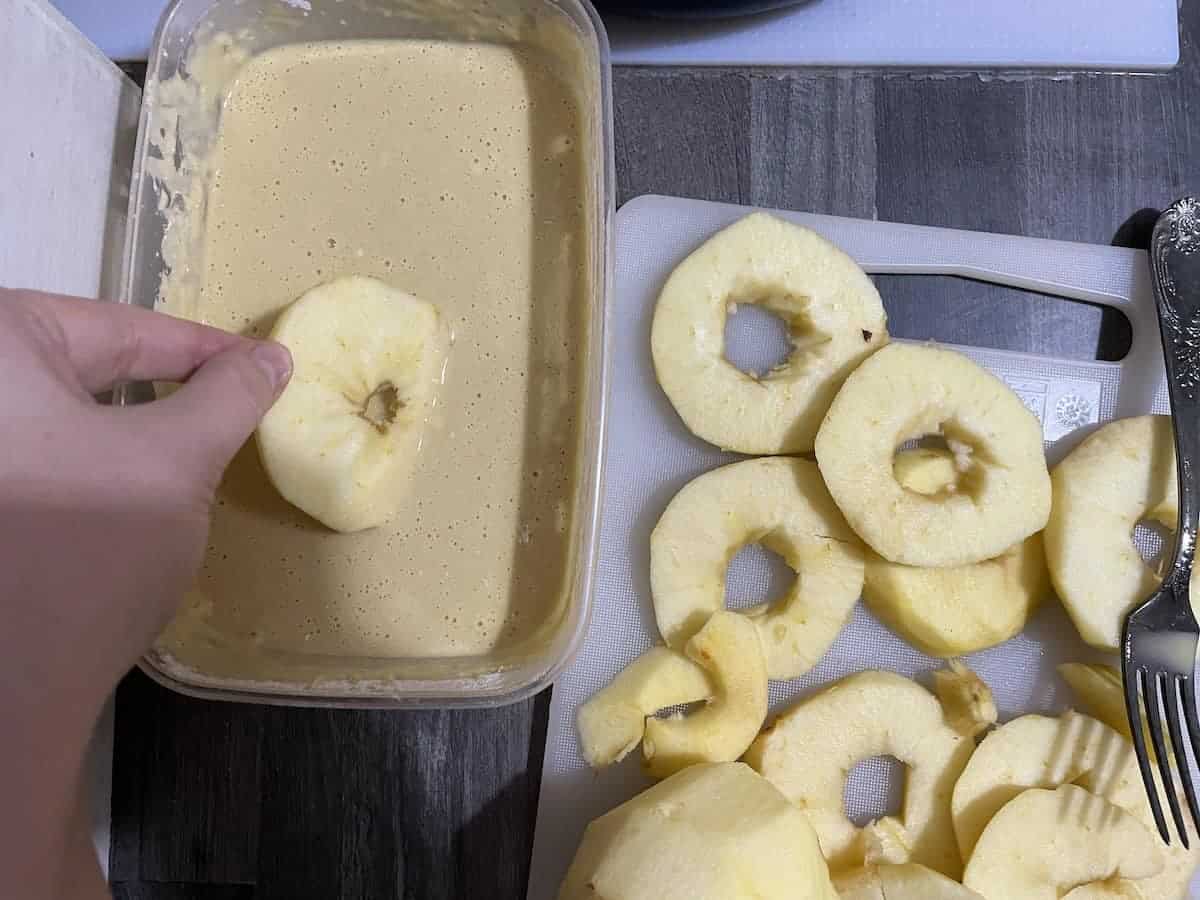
column 710, row 832
column 908, row 881
column 1043, row 752
column 1116, row 889
column 342, row 440
column 781, row 504
column 810, row 750
column 967, row 701
column 611, row 723
column 908, row 391
column 728, row 647
column 886, row 840
column 1043, row 843
column 1100, row 689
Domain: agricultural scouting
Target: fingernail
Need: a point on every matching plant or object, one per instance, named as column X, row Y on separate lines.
column 275, row 362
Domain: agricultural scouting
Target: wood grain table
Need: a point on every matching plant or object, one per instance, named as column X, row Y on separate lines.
column 231, row 802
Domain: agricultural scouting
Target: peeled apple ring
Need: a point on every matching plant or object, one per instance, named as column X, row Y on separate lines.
column 952, row 611
column 782, row 504
column 810, row 750
column 1042, row 843
column 831, row 309
column 907, row 391
column 342, row 441
column 1121, row 474
column 728, row 649
column 1043, row 752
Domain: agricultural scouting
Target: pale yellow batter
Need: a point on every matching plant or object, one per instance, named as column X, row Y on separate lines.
column 453, row 172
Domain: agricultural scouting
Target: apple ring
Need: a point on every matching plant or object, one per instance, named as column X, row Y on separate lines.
column 728, row 648
column 343, row 439
column 1043, row 843
column 952, row 611
column 1043, row 752
column 612, row 721
column 782, row 504
column 906, row 391
column 1121, row 474
column 834, row 317
column 810, row 750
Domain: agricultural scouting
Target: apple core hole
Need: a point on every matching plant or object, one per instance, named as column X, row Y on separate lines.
column 756, row 576
column 874, row 788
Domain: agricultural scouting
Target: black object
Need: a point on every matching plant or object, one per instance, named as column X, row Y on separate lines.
column 691, row 9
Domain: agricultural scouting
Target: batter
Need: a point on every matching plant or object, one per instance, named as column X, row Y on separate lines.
column 453, row 172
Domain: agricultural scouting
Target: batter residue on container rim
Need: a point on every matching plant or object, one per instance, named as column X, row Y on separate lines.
column 453, row 171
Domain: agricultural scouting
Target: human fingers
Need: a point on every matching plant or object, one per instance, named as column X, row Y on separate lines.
column 106, row 343
column 205, row 422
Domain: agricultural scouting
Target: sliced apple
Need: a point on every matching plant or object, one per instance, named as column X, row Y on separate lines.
column 914, row 882
column 900, row 882
column 1043, row 752
column 1039, row 751
column 960, row 609
column 886, row 840
column 809, row 751
column 908, row 391
column 1121, row 474
column 342, row 441
column 710, row 832
column 862, row 883
column 1100, row 689
column 1044, row 843
column 1116, row 889
column 833, row 315
column 611, row 723
column 783, row 505
column 967, row 701
column 728, row 647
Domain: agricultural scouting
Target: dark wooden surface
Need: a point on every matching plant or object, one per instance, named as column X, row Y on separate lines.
column 231, row 802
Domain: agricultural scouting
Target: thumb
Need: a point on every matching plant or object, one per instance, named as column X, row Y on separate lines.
column 221, row 404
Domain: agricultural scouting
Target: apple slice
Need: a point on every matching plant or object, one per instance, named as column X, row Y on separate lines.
column 711, row 832
column 611, row 723
column 966, row 699
column 810, row 750
column 900, row 882
column 1043, row 843
column 1043, row 752
column 1116, row 889
column 343, row 439
column 728, row 647
column 1100, row 689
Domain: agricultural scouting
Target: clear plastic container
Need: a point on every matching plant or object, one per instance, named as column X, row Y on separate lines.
column 262, row 25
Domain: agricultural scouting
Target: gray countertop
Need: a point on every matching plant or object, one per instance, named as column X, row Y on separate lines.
column 228, row 802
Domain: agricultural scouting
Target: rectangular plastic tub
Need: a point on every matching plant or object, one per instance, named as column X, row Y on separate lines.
column 261, row 25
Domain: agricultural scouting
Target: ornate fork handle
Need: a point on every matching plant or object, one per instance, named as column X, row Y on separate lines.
column 1175, row 264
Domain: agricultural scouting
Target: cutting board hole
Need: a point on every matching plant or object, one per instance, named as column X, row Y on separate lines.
column 756, row 575
column 955, row 310
column 756, row 341
column 874, row 789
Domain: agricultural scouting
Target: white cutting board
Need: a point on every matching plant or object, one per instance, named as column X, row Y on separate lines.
column 70, row 118
column 1057, row 34
column 974, row 34
column 650, row 455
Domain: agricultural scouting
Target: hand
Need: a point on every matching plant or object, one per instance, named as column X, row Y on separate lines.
column 103, row 523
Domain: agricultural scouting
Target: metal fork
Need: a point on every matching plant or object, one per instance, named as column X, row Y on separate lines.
column 1161, row 636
